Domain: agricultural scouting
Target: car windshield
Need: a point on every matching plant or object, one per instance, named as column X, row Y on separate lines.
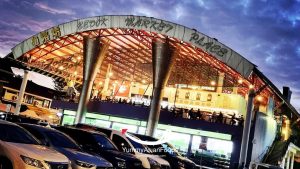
column 104, row 142
column 16, row 134
column 139, row 147
column 60, row 140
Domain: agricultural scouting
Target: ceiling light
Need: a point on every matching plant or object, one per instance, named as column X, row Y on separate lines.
column 213, row 83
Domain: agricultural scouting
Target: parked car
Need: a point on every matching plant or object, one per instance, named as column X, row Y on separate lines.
column 20, row 150
column 127, row 145
column 169, row 153
column 254, row 165
column 98, row 143
column 67, row 146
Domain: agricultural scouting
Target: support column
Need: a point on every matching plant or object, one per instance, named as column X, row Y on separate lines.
column 246, row 129
column 22, row 92
column 93, row 56
column 292, row 161
column 220, row 82
column 163, row 57
column 283, row 163
column 288, row 160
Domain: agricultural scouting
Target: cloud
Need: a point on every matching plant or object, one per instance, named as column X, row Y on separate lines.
column 46, row 8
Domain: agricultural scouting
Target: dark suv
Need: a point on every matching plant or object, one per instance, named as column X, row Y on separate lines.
column 99, row 143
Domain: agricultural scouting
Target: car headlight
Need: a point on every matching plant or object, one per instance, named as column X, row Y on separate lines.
column 153, row 163
column 84, row 164
column 121, row 162
column 181, row 164
column 32, row 162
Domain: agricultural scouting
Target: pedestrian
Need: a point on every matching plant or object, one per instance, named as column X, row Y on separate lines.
column 241, row 122
column 199, row 114
column 214, row 117
column 220, row 118
column 232, row 121
column 191, row 113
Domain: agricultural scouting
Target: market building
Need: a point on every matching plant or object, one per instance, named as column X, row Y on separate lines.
column 151, row 75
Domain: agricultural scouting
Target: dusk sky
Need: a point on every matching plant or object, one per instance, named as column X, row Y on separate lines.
column 266, row 32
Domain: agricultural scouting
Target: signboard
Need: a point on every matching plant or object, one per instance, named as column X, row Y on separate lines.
column 192, row 36
column 203, row 144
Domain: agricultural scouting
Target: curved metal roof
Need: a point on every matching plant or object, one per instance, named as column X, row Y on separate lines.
column 157, row 26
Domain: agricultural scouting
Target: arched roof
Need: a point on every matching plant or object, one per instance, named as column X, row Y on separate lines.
column 149, row 24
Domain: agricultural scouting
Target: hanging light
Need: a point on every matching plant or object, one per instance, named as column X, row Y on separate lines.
column 61, row 68
column 240, row 81
column 251, row 86
column 213, row 83
column 110, row 74
column 75, row 73
column 260, row 98
column 144, row 81
column 100, row 83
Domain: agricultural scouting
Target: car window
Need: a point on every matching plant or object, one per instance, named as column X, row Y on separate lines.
column 35, row 133
column 139, row 147
column 84, row 139
column 104, row 131
column 122, row 144
column 104, row 142
column 58, row 139
column 16, row 134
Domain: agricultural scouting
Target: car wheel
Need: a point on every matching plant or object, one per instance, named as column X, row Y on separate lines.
column 5, row 164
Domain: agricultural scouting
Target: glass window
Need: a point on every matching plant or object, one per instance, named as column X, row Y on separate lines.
column 60, row 140
column 187, row 95
column 178, row 140
column 104, row 142
column 198, row 97
column 142, row 130
column 122, row 144
column 219, row 146
column 16, row 134
column 120, row 126
column 196, row 143
column 209, row 97
column 103, row 123
column 68, row 120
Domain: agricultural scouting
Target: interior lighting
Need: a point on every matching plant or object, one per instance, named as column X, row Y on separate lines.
column 251, row 86
column 144, row 81
column 260, row 98
column 110, row 74
column 240, row 81
column 213, row 83
column 61, row 68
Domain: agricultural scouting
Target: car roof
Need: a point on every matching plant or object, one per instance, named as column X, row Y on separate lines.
column 7, row 122
column 144, row 137
column 97, row 127
column 37, row 127
column 83, row 130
